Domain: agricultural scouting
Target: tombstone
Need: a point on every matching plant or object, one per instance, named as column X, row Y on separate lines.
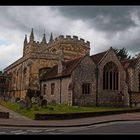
column 33, row 100
column 17, row 99
column 6, row 98
column 44, row 103
column 28, row 104
column 133, row 105
column 13, row 99
column 22, row 104
column 138, row 105
column 37, row 100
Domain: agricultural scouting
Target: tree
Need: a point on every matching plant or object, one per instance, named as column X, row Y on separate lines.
column 137, row 55
column 122, row 53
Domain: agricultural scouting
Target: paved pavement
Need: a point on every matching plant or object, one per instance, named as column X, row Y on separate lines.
column 13, row 115
column 18, row 120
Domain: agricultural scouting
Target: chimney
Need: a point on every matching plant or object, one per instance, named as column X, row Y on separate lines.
column 61, row 60
column 60, row 66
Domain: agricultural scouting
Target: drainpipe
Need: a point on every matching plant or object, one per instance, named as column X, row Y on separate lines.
column 21, row 80
column 97, row 86
column 60, row 89
column 40, row 87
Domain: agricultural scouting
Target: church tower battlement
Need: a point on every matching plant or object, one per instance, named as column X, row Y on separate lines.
column 71, row 40
column 68, row 43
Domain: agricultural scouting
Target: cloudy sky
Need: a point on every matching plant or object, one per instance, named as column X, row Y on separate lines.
column 103, row 26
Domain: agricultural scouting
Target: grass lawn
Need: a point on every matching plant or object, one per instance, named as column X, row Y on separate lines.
column 54, row 109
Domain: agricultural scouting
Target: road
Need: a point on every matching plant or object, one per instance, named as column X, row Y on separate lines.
column 124, row 127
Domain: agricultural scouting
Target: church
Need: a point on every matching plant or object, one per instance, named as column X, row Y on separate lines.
column 63, row 71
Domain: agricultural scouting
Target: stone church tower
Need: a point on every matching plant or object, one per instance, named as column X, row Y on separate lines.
column 37, row 55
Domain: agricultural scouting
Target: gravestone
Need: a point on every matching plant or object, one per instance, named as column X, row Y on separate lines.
column 13, row 99
column 22, row 104
column 28, row 103
column 44, row 103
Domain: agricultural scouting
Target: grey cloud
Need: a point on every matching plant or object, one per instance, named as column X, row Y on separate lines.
column 119, row 18
column 114, row 24
column 92, row 11
column 9, row 17
column 23, row 19
column 97, row 22
column 133, row 46
column 131, row 43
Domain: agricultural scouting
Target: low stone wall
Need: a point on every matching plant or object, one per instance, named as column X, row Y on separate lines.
column 81, row 115
column 4, row 115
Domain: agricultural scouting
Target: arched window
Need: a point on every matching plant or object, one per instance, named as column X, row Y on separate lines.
column 110, row 76
column 24, row 71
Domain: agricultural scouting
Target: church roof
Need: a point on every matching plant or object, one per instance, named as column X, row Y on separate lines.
column 97, row 57
column 68, row 68
column 129, row 63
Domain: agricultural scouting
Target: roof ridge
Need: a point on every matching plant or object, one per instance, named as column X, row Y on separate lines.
column 72, row 64
column 130, row 62
column 97, row 57
column 99, row 53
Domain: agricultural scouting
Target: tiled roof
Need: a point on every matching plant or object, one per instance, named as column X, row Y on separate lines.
column 97, row 57
column 68, row 68
column 129, row 63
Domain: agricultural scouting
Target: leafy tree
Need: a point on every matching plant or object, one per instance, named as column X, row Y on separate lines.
column 122, row 53
column 137, row 55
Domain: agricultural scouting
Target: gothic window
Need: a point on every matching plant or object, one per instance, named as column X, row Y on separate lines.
column 24, row 76
column 110, row 76
column 17, row 72
column 44, row 89
column 14, row 79
column 52, row 88
column 86, row 88
column 24, row 71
